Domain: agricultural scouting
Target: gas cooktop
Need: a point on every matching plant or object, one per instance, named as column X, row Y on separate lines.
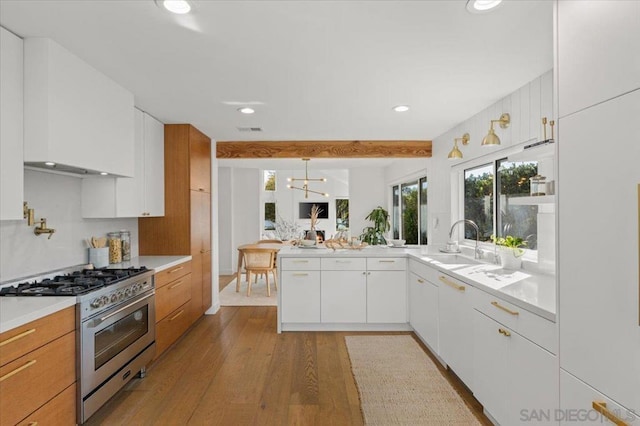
column 72, row 284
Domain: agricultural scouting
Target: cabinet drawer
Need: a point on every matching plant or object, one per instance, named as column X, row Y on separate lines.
column 386, row 264
column 300, row 263
column 577, row 404
column 537, row 329
column 61, row 410
column 163, row 278
column 21, row 340
column 36, row 377
column 427, row 272
column 344, row 264
column 171, row 328
column 172, row 295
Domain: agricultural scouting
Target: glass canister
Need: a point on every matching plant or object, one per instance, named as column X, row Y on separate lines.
column 115, row 247
column 125, row 239
column 538, row 185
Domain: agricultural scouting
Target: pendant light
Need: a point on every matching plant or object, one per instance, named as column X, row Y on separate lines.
column 492, row 139
column 455, row 152
column 306, row 180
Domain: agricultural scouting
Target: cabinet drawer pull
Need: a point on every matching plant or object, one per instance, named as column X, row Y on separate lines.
column 300, row 261
column 507, row 310
column 343, row 261
column 177, row 315
column 177, row 284
column 300, row 275
column 33, row 424
column 203, row 251
column 17, row 337
column 17, row 370
column 201, row 189
column 387, row 261
column 504, row 332
column 452, row 284
column 601, row 407
column 176, row 270
column 420, row 281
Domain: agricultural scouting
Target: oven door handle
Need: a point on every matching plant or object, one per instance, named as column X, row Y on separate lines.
column 99, row 321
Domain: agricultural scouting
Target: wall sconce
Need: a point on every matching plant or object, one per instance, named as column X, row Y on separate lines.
column 455, row 152
column 491, row 138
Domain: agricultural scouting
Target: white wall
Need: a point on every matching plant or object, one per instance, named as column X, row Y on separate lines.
column 56, row 198
column 526, row 106
column 225, row 220
column 367, row 189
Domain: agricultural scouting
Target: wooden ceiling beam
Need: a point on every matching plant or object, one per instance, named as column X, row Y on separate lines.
column 324, row 149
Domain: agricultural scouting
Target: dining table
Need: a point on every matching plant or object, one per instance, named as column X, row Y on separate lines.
column 275, row 246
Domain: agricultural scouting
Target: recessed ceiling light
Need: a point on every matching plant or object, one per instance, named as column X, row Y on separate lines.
column 401, row 108
column 180, row 7
column 49, row 163
column 246, row 110
column 104, row 173
column 481, row 6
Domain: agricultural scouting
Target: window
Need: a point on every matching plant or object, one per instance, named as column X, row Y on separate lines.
column 269, row 180
column 511, row 182
column 342, row 214
column 409, row 211
column 269, row 216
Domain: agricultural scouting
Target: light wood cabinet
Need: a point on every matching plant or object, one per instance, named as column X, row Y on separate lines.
column 38, row 369
column 186, row 226
column 73, row 114
column 61, row 410
column 140, row 196
column 172, row 327
column 173, row 304
column 423, row 310
column 456, row 326
column 11, row 132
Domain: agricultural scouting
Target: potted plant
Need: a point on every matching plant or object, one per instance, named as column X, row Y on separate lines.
column 374, row 235
column 510, row 251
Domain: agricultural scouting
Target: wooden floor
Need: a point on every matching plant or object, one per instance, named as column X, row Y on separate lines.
column 232, row 368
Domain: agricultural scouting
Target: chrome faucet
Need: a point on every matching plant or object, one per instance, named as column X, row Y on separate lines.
column 478, row 251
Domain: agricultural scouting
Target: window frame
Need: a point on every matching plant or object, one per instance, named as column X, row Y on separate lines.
column 417, row 178
column 457, row 190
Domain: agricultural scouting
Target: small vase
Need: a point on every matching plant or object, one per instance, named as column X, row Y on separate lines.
column 311, row 236
column 511, row 258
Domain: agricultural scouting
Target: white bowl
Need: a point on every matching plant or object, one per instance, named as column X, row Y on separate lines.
column 397, row 243
column 308, row 243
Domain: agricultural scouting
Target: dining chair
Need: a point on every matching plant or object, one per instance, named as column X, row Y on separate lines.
column 259, row 260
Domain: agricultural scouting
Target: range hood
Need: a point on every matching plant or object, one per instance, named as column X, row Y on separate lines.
column 74, row 116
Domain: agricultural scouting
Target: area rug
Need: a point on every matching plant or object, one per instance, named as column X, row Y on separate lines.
column 229, row 297
column 400, row 385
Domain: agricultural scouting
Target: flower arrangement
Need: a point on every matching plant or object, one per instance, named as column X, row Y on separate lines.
column 286, row 230
column 315, row 212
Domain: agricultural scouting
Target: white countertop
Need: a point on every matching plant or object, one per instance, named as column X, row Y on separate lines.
column 17, row 311
column 157, row 263
column 532, row 291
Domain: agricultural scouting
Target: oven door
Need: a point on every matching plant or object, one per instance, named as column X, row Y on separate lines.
column 114, row 337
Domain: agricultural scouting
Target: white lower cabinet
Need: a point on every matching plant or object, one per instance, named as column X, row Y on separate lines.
column 515, row 380
column 343, row 297
column 387, row 296
column 580, row 403
column 423, row 310
column 456, row 326
column 300, row 296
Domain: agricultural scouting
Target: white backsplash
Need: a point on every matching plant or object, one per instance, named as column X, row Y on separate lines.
column 56, row 198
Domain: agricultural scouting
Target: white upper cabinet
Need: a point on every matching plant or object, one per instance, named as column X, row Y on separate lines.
column 11, row 103
column 143, row 195
column 598, row 52
column 74, row 115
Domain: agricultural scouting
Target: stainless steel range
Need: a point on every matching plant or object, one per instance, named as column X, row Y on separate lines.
column 115, row 325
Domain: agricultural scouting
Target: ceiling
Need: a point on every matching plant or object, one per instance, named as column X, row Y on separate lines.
column 311, row 69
